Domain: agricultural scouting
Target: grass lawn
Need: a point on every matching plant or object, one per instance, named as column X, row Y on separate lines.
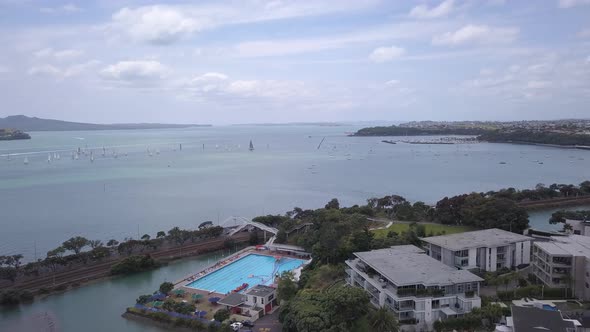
column 430, row 228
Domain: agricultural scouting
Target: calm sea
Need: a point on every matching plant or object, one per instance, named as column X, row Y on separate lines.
column 215, row 176
column 42, row 204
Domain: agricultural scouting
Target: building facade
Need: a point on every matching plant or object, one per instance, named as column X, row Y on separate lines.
column 487, row 250
column 417, row 288
column 564, row 262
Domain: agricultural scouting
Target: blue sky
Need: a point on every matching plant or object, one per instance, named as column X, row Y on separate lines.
column 243, row 61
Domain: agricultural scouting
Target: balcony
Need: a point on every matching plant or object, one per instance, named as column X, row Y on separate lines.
column 421, row 292
column 565, row 261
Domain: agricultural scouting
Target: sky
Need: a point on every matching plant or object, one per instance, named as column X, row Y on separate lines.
column 271, row 61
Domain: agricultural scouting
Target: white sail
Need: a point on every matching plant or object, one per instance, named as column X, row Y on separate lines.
column 26, row 161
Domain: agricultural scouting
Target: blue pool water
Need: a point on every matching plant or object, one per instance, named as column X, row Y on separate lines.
column 549, row 307
column 252, row 269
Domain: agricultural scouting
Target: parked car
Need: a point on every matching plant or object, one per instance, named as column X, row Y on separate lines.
column 247, row 323
column 236, row 326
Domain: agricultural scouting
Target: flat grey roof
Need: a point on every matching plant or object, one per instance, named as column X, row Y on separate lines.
column 233, row 300
column 287, row 247
column 527, row 319
column 574, row 245
column 492, row 237
column 260, row 290
column 409, row 265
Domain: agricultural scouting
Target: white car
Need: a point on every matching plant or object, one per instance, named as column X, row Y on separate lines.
column 236, row 326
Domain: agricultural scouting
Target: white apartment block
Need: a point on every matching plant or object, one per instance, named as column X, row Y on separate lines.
column 564, row 261
column 578, row 227
column 487, row 250
column 417, row 288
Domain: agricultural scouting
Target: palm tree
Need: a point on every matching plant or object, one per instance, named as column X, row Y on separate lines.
column 382, row 320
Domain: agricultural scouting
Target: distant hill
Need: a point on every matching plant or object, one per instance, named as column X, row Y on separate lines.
column 25, row 123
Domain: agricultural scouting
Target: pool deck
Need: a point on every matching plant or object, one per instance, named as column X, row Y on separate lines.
column 183, row 283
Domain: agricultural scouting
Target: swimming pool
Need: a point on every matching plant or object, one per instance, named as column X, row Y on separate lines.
column 252, row 269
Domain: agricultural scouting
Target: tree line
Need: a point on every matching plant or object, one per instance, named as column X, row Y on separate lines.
column 79, row 251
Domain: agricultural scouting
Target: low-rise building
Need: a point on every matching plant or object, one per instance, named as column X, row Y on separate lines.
column 416, row 287
column 261, row 296
column 531, row 319
column 487, row 250
column 562, row 262
column 253, row 303
column 577, row 227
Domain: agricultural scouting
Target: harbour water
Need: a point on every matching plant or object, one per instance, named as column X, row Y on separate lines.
column 97, row 307
column 127, row 192
column 43, row 203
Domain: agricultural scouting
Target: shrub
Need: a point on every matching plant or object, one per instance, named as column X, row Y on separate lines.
column 522, row 282
column 44, row 290
column 10, row 297
column 26, row 296
column 134, row 264
column 143, row 299
column 166, row 287
column 60, row 288
column 221, row 315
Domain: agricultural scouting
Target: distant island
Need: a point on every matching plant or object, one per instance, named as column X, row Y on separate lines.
column 25, row 123
column 11, row 134
column 563, row 133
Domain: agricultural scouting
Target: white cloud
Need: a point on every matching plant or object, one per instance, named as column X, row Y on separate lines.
column 385, row 54
column 66, row 54
column 572, row 3
column 476, row 34
column 67, row 8
column 65, row 72
column 425, row 12
column 538, row 84
column 4, row 69
column 77, row 69
column 135, row 71
column 44, row 70
column 165, row 24
column 392, row 83
column 217, row 85
column 585, row 33
column 157, row 24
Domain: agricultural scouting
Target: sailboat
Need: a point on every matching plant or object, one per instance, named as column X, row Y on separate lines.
column 91, row 157
column 49, row 158
column 26, row 161
column 251, row 148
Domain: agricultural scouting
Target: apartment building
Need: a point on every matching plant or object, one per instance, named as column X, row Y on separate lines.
column 487, row 250
column 417, row 288
column 564, row 261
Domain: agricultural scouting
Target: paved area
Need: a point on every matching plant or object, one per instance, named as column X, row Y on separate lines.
column 268, row 323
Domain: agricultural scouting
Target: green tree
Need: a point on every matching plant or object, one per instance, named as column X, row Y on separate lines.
column 95, row 243
column 221, row 315
column 166, row 287
column 383, row 320
column 75, row 244
column 160, row 234
column 287, row 287
column 112, row 243
column 333, row 204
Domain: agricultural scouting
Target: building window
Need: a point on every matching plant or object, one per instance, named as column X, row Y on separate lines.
column 262, row 300
column 586, row 285
column 254, row 297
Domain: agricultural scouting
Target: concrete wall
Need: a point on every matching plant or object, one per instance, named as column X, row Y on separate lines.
column 473, row 257
column 448, row 257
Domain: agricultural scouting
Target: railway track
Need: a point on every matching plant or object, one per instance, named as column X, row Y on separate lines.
column 103, row 269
